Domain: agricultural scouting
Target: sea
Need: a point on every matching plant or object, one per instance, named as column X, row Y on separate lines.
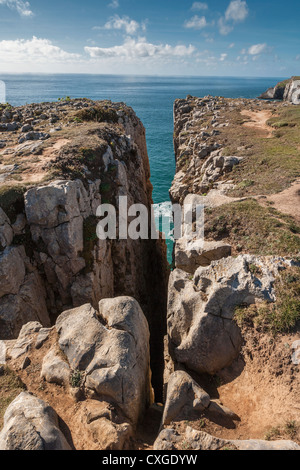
column 151, row 98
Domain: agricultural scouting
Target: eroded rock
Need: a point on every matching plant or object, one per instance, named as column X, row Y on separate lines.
column 31, row 424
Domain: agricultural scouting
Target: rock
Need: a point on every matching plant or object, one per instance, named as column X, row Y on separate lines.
column 191, row 439
column 42, row 337
column 19, row 225
column 2, row 352
column 34, row 136
column 292, row 92
column 296, row 353
column 115, row 357
column 27, row 128
column 106, row 428
column 189, row 255
column 26, row 363
column 25, row 339
column 31, row 424
column 184, row 397
column 9, row 127
column 55, row 369
column 265, row 445
column 28, row 304
column 218, row 409
column 12, row 271
column 6, row 231
column 201, row 329
column 288, row 90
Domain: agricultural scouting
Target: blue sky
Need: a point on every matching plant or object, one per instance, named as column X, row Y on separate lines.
column 157, row 37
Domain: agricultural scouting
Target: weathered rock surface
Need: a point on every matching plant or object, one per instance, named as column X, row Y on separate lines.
column 55, row 369
column 288, row 90
column 191, row 439
column 31, row 424
column 51, row 259
column 202, row 333
column 184, row 396
column 191, row 254
column 111, row 349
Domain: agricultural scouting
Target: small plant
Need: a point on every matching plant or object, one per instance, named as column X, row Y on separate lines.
column 273, row 433
column 291, row 428
column 76, row 379
column 67, row 98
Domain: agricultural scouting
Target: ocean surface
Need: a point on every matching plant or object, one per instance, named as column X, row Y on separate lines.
column 152, row 99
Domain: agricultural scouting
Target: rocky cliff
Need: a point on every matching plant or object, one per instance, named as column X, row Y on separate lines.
column 239, row 286
column 288, row 90
column 59, row 162
column 84, row 321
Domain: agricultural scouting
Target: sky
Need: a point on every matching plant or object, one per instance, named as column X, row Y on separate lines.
column 155, row 37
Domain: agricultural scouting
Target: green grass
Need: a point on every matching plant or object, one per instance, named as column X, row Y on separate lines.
column 254, row 229
column 270, row 164
column 278, row 317
column 98, row 114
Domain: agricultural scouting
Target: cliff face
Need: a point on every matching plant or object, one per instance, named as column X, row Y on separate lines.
column 288, row 90
column 231, row 291
column 59, row 162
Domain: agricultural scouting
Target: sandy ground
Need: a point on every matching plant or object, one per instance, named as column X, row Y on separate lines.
column 258, row 120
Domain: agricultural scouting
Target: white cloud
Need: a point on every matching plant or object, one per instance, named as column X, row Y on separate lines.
column 124, row 23
column 237, row 11
column 257, row 49
column 223, row 57
column 196, row 22
column 114, row 4
column 224, row 28
column 33, row 50
column 298, row 57
column 231, row 46
column 136, row 49
column 199, row 6
column 22, row 7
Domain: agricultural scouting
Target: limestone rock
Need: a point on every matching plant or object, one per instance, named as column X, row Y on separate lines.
column 184, row 396
column 12, row 271
column 190, row 255
column 6, row 231
column 201, row 329
column 191, row 439
column 55, row 369
column 112, row 350
column 25, row 339
column 296, row 353
column 31, row 424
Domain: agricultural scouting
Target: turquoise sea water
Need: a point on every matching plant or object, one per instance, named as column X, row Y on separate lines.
column 152, row 99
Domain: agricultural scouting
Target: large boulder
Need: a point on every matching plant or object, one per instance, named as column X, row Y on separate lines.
column 191, row 254
column 31, row 424
column 202, row 333
column 111, row 350
column 184, row 396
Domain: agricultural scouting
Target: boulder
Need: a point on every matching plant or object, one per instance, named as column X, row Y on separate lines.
column 111, row 349
column 191, row 254
column 184, row 397
column 203, row 335
column 25, row 339
column 31, row 424
column 191, row 439
column 55, row 369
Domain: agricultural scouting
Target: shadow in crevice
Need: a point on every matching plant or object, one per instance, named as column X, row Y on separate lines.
column 66, row 432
